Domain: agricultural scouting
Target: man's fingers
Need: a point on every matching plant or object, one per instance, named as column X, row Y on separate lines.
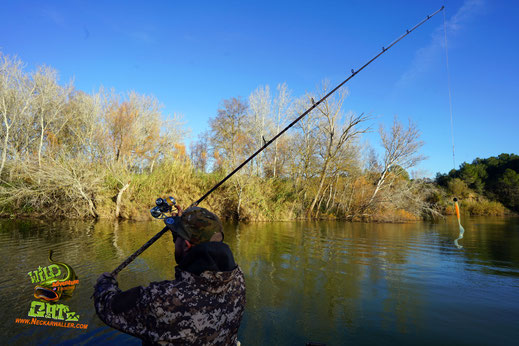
column 103, row 276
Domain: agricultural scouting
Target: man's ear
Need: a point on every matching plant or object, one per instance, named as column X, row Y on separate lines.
column 183, row 244
column 217, row 237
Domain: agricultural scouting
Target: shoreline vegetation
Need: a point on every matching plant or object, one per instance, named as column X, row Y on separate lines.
column 68, row 154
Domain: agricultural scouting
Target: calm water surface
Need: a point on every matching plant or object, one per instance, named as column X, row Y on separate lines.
column 330, row 282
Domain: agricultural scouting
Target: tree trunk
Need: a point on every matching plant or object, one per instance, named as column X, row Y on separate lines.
column 334, row 198
column 91, row 205
column 4, row 151
column 276, row 151
column 275, row 159
column 239, row 203
column 119, row 199
column 321, row 183
column 380, row 182
column 329, row 197
column 320, row 202
column 352, row 193
column 41, row 143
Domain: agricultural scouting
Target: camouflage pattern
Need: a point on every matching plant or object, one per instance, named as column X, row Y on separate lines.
column 198, row 225
column 203, row 309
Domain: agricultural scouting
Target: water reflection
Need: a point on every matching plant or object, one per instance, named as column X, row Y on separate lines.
column 329, row 282
column 365, row 282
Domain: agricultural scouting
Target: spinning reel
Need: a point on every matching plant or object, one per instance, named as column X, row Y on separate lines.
column 163, row 208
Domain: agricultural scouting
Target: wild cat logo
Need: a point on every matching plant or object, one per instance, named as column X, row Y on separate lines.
column 59, row 312
column 52, row 282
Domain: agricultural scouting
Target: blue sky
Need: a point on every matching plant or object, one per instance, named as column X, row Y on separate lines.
column 192, row 55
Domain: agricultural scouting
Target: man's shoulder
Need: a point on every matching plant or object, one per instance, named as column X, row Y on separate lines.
column 185, row 278
column 203, row 292
column 165, row 287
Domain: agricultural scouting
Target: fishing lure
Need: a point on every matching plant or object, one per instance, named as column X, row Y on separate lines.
column 462, row 230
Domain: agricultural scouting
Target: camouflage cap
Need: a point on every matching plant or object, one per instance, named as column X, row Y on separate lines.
column 198, row 225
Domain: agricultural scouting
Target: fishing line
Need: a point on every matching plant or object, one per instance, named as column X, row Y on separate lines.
column 449, row 87
column 456, row 206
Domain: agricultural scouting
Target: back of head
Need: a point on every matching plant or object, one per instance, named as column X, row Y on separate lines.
column 199, row 225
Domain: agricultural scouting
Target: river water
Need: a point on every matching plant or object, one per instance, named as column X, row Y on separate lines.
column 329, row 282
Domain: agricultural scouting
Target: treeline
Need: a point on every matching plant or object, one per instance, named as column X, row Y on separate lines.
column 496, row 178
column 66, row 153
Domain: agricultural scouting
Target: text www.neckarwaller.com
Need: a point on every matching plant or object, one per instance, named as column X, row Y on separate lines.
column 38, row 322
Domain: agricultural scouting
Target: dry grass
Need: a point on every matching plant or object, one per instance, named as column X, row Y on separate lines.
column 74, row 189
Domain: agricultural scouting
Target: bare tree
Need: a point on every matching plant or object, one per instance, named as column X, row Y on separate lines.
column 259, row 111
column 401, row 146
column 85, row 132
column 304, row 159
column 172, row 133
column 228, row 134
column 267, row 115
column 147, row 127
column 282, row 111
column 49, row 104
column 229, row 139
column 16, row 96
column 133, row 128
column 199, row 152
column 336, row 131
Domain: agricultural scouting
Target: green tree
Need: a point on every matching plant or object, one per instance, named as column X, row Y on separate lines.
column 458, row 188
column 474, row 175
column 508, row 189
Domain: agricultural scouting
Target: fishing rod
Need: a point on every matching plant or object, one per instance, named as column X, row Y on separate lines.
column 266, row 144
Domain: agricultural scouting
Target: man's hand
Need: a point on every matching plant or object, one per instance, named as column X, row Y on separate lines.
column 105, row 276
column 105, row 281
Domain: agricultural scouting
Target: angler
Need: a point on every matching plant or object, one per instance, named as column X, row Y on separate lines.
column 205, row 302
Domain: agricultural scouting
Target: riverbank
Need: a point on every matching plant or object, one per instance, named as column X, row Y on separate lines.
column 107, row 155
column 76, row 190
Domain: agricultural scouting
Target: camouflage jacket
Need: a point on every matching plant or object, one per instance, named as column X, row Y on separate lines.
column 199, row 307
